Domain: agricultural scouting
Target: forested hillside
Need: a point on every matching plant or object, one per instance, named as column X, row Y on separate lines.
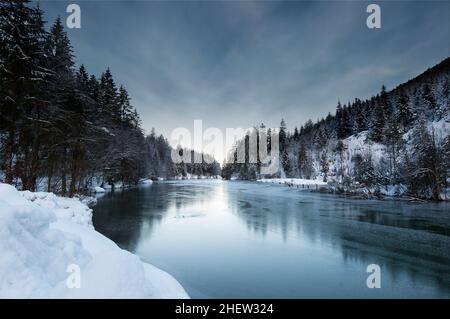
column 394, row 142
column 61, row 126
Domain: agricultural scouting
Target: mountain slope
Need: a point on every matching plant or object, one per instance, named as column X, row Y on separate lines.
column 396, row 138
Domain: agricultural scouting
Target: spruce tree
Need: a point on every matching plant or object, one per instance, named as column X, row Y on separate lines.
column 63, row 103
column 22, row 76
column 377, row 121
column 404, row 115
column 108, row 103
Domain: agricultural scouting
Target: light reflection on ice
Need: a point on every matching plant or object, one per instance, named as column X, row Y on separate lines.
column 242, row 239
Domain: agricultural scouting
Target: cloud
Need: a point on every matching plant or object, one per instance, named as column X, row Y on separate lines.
column 238, row 63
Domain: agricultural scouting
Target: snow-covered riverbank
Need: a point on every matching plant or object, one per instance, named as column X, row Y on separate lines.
column 356, row 191
column 45, row 240
column 297, row 182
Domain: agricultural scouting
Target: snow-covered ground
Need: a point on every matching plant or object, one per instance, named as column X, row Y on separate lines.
column 389, row 190
column 46, row 239
column 98, row 189
column 146, row 181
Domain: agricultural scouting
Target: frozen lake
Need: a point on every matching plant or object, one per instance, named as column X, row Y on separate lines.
column 224, row 239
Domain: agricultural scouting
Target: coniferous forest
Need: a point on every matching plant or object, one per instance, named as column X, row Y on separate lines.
column 395, row 142
column 63, row 129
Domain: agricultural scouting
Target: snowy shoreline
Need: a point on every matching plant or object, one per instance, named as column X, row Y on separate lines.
column 295, row 182
column 97, row 189
column 43, row 236
column 391, row 192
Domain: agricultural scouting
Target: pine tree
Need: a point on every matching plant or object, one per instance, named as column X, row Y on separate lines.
column 324, row 166
column 94, row 88
column 338, row 118
column 124, row 105
column 377, row 122
column 363, row 170
column 321, row 137
column 427, row 171
column 429, row 103
column 360, row 116
column 282, row 135
column 340, row 149
column 445, row 107
column 345, row 126
column 63, row 102
column 284, row 156
column 82, row 79
column 385, row 103
column 108, row 103
column 404, row 115
column 296, row 135
column 23, row 76
column 394, row 142
column 304, row 162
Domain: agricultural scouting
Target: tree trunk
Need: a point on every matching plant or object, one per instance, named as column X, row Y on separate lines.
column 34, row 166
column 49, row 183
column 73, row 178
column 63, row 183
column 72, row 184
column 9, row 174
column 50, row 176
column 63, row 172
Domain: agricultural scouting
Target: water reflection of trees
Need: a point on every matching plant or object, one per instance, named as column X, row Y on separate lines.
column 401, row 238
column 118, row 215
column 125, row 216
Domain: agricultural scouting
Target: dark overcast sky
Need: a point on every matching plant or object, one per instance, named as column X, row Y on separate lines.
column 237, row 63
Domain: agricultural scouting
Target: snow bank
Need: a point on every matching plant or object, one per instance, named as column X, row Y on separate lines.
column 68, row 209
column 116, row 186
column 98, row 189
column 147, row 181
column 41, row 235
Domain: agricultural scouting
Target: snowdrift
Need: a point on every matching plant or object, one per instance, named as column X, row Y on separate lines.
column 42, row 236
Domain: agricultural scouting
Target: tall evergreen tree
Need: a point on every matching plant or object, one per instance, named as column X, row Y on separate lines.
column 126, row 110
column 23, row 75
column 63, row 102
column 427, row 171
column 404, row 115
column 377, row 121
column 108, row 102
column 429, row 103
